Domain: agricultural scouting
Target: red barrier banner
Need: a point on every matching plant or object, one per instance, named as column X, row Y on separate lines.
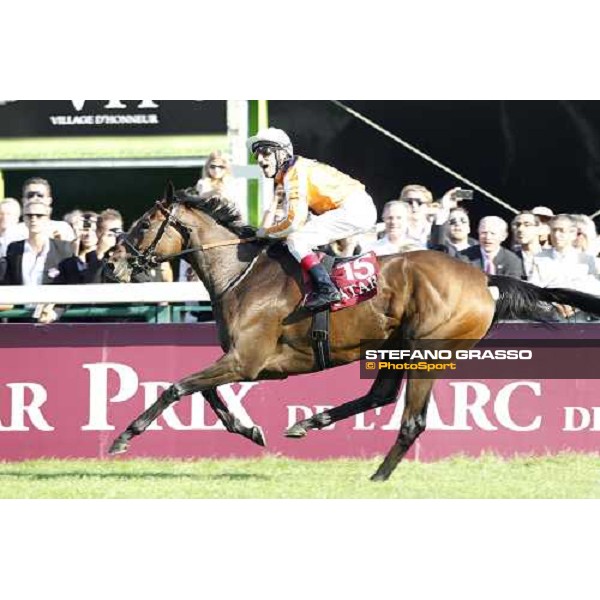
column 68, row 390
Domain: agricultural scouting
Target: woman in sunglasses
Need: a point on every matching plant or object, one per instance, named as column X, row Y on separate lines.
column 217, row 177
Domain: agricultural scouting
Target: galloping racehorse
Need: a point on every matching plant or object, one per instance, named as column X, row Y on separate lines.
column 266, row 334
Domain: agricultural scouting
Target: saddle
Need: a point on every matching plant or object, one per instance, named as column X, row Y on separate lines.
column 356, row 277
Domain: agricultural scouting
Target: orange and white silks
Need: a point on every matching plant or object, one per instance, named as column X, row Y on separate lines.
column 310, row 186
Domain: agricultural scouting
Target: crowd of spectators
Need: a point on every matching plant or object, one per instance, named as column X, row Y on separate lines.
column 537, row 245
column 39, row 250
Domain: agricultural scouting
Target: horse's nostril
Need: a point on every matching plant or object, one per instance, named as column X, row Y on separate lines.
column 110, row 267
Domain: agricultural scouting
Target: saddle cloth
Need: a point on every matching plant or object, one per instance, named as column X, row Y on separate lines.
column 355, row 276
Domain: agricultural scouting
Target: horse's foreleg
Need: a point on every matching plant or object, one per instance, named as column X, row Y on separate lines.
column 231, row 422
column 223, row 371
column 418, row 392
column 141, row 423
column 383, row 391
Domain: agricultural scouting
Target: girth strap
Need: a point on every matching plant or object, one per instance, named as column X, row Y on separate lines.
column 320, row 327
column 320, row 338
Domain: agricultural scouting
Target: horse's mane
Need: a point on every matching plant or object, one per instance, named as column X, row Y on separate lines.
column 222, row 210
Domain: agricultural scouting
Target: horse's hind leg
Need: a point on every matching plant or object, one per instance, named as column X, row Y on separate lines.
column 418, row 392
column 231, row 422
column 383, row 391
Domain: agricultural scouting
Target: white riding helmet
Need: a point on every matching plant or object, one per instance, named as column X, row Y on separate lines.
column 273, row 137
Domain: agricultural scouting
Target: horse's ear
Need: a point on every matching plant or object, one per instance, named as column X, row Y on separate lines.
column 169, row 192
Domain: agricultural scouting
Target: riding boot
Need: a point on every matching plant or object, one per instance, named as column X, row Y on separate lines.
column 324, row 291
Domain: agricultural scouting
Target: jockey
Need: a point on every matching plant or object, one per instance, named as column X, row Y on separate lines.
column 320, row 205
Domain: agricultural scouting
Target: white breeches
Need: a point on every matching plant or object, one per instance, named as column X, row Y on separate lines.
column 356, row 215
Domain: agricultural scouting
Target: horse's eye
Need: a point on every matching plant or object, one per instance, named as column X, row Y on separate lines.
column 145, row 225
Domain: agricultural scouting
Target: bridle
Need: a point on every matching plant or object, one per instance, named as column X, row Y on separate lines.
column 143, row 261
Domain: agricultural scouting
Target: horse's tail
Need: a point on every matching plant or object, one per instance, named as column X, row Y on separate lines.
column 522, row 300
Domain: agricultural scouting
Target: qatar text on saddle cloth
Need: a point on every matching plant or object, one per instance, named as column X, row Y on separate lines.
column 356, row 279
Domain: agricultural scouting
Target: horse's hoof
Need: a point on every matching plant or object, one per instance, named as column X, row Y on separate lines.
column 258, row 436
column 118, row 447
column 379, row 477
column 295, row 431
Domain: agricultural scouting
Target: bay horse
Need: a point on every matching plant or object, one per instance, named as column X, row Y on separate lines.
column 265, row 333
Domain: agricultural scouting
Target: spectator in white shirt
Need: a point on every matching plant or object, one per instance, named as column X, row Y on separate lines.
column 564, row 265
column 394, row 240
column 526, row 237
column 10, row 213
column 419, row 199
column 37, row 188
column 34, row 261
column 587, row 237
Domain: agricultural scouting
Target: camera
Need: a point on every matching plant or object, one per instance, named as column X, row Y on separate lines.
column 88, row 221
column 462, row 195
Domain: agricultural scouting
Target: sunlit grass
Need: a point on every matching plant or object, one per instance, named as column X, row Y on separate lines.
column 93, row 147
column 561, row 476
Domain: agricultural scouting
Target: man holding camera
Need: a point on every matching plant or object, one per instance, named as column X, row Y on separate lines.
column 110, row 226
column 84, row 267
column 451, row 227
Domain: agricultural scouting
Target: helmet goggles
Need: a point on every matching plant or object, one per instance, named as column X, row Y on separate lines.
column 262, row 145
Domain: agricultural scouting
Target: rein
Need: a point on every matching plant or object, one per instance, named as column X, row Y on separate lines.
column 204, row 247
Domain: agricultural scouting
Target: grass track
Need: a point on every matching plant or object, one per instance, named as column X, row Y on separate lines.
column 562, row 476
column 90, row 147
